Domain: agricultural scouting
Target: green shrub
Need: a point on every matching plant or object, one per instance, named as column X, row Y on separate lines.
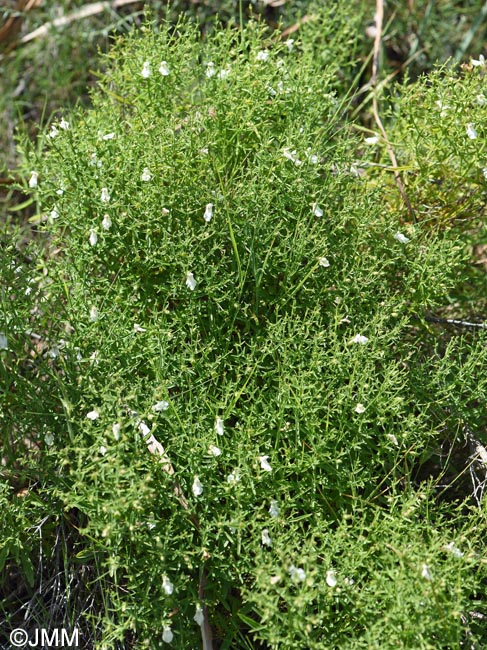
column 241, row 390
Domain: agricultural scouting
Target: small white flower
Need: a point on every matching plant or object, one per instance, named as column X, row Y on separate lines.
column 103, row 450
column 116, row 430
column 146, row 175
column 359, row 339
column 484, row 172
column 164, row 212
column 274, row 580
column 402, row 239
column 219, row 428
column 331, row 578
column 54, row 214
column 60, row 191
column 291, row 155
column 478, row 62
column 297, row 574
column 94, row 314
column 481, row 100
column 109, row 136
column 360, row 408
column 138, row 328
column 33, row 179
column 107, row 222
column 233, row 477
column 210, row 69
column 199, row 616
column 393, row 439
column 164, row 69
column 264, row 463
column 265, row 538
column 263, row 55
column 93, row 238
column 471, row 132
column 146, row 70
column 274, row 509
column 190, row 281
column 3, row 341
column 144, row 429
column 317, row 211
column 223, row 74
column 372, row 140
column 208, row 212
column 160, row 406
column 167, row 585
column 49, row 439
column 452, row 548
column 167, row 635
column 313, row 159
column 64, row 125
column 214, row 451
column 426, row 572
column 93, row 415
column 289, row 44
column 105, row 196
column 197, row 487
column 54, row 131
column 54, row 352
column 324, row 262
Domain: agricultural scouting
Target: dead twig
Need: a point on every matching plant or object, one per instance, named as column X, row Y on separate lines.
column 379, row 16
column 455, row 322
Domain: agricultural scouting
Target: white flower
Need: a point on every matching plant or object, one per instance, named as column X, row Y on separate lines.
column 372, row 140
column 313, row 159
column 233, row 477
column 197, row 487
column 3, row 341
column 263, row 55
column 289, row 44
column 138, row 328
column 317, row 211
column 393, row 439
column 402, row 239
column 219, row 426
column 471, row 132
column 214, row 451
column 167, row 585
column 190, row 281
column 360, row 408
column 210, row 69
column 93, row 237
column 93, row 415
column 54, row 214
column 105, row 196
column 199, row 616
column 64, row 125
column 160, row 406
column 167, row 635
column 426, row 572
column 484, row 172
column 359, row 339
column 223, row 74
column 297, row 574
column 208, row 212
column 264, row 463
column 481, row 99
column 291, row 155
column 49, row 439
column 331, row 578
column 265, row 537
column 164, row 69
column 109, row 136
column 146, row 70
column 54, row 131
column 60, row 191
column 478, row 62
column 144, row 429
column 33, row 179
column 107, row 222
column 324, row 262
column 452, row 548
column 103, row 450
column 54, row 352
column 94, row 314
column 116, row 430
column 146, row 175
column 274, row 509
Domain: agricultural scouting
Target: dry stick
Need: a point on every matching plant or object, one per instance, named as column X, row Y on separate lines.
column 453, row 321
column 155, row 447
column 86, row 11
column 373, row 82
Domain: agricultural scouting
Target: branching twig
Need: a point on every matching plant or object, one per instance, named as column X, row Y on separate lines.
column 375, row 109
column 455, row 322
